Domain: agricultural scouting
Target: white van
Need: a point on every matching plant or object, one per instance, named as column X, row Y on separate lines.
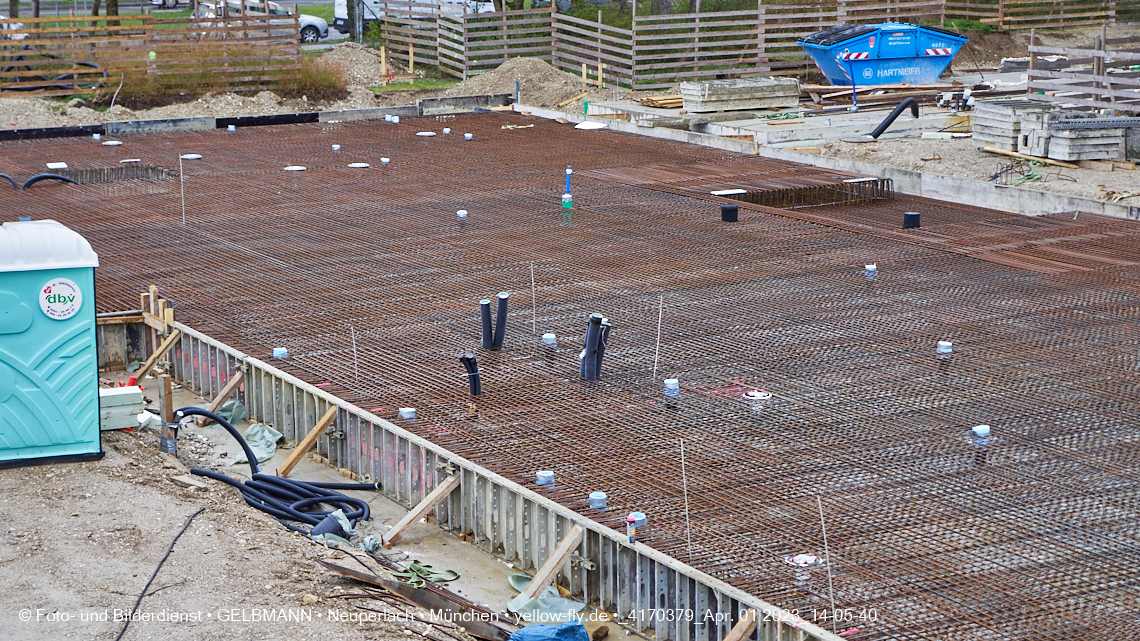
column 376, row 9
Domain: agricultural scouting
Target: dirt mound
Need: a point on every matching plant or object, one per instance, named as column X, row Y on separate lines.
column 986, row 49
column 361, row 65
column 540, row 84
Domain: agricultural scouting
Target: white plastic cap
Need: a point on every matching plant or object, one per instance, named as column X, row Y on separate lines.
column 407, row 413
column 550, row 339
column 462, row 213
column 872, row 267
column 672, row 383
column 982, row 430
column 945, row 347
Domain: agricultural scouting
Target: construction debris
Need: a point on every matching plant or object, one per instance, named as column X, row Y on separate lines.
column 119, row 407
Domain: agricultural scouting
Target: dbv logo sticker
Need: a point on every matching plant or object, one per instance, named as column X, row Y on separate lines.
column 60, row 299
column 868, row 74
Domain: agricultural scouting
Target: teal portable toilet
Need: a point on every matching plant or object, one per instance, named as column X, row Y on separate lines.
column 49, row 370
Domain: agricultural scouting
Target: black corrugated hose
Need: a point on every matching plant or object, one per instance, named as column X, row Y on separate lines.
column 282, row 498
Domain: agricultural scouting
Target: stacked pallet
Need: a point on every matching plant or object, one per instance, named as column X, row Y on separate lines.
column 997, row 123
column 750, row 93
column 119, row 407
column 671, row 101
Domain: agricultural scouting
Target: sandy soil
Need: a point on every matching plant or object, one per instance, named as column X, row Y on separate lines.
column 962, row 157
column 80, row 541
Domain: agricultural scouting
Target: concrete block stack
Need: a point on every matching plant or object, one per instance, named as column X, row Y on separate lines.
column 119, row 407
column 1087, row 144
column 1072, row 136
column 997, row 123
column 749, row 93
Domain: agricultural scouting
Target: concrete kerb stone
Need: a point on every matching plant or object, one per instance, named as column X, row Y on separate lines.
column 461, row 104
column 1018, row 200
column 163, row 125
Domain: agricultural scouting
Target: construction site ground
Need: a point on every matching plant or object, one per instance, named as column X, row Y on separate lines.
column 81, row 541
column 372, row 283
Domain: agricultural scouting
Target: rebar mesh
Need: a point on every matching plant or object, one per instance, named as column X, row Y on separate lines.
column 1040, row 542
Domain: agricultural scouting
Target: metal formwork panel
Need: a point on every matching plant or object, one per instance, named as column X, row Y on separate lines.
column 508, row 521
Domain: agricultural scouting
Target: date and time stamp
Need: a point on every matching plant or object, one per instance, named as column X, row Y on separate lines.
column 811, row 615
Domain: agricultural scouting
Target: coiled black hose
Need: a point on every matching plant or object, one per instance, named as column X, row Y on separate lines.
column 281, row 498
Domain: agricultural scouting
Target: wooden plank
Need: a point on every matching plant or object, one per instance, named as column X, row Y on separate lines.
column 118, row 320
column 570, row 100
column 1015, row 154
column 154, row 321
column 441, row 492
column 1070, row 100
column 744, row 627
column 1092, row 53
column 158, row 354
column 553, row 564
column 227, row 390
column 308, row 442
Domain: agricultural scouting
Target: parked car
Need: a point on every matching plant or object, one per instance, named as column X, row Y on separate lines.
column 377, row 9
column 11, row 26
column 312, row 28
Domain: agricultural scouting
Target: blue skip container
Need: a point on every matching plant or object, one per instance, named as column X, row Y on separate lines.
column 879, row 54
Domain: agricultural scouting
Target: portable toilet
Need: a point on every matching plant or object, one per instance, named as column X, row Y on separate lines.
column 879, row 54
column 49, row 370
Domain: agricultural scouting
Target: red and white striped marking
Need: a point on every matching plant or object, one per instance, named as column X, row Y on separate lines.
column 938, row 52
column 854, row 55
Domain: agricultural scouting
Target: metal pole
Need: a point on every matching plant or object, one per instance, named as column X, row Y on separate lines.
column 685, row 487
column 657, row 352
column 355, row 360
column 182, row 185
column 827, row 557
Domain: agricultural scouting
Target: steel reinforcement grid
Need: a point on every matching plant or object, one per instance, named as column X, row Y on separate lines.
column 373, row 284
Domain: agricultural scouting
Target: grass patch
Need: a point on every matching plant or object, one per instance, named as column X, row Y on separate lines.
column 968, row 25
column 419, row 84
column 316, row 80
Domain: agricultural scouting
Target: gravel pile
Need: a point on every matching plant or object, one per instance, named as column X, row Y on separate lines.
column 361, row 64
column 540, row 85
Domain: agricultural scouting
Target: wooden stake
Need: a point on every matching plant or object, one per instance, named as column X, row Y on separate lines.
column 600, row 82
column 383, row 64
column 441, row 492
column 744, row 627
column 166, row 398
column 158, row 353
column 308, row 442
column 411, row 58
column 549, row 570
column 585, row 80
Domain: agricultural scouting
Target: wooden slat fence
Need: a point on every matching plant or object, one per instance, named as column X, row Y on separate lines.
column 67, row 55
column 408, row 24
column 1109, row 85
column 578, row 41
column 490, row 39
column 1043, row 14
